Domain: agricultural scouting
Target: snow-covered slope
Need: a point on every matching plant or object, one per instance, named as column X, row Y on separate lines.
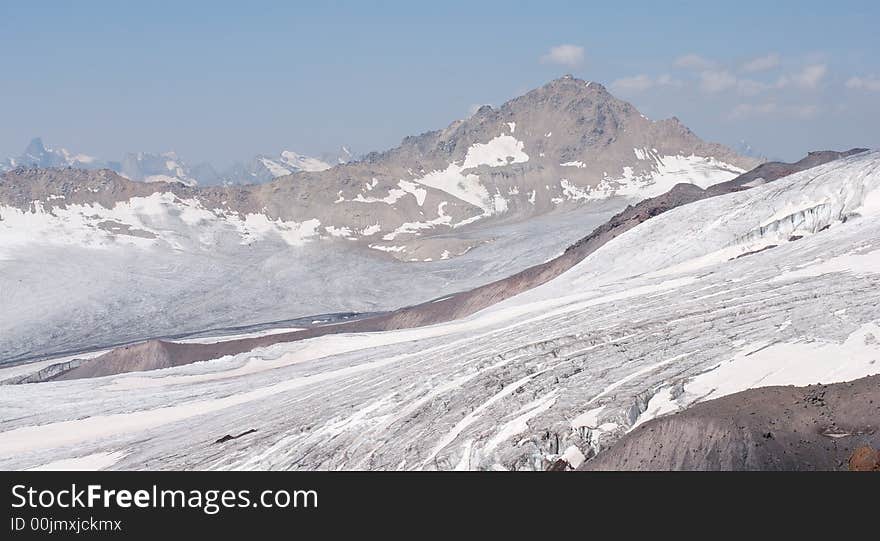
column 154, row 263
column 744, row 285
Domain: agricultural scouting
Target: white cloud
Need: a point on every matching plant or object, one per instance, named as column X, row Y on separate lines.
column 693, row 62
column 810, row 76
column 864, row 83
column 667, row 80
column 749, row 109
column 716, row 81
column 749, row 87
column 640, row 83
column 803, row 111
column 744, row 110
column 637, row 83
column 762, row 63
column 566, row 55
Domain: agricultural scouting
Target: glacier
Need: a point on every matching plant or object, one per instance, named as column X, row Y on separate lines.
column 656, row 319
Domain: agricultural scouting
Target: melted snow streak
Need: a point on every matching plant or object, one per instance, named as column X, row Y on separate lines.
column 659, row 317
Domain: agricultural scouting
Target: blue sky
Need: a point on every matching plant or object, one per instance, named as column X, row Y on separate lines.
column 222, row 81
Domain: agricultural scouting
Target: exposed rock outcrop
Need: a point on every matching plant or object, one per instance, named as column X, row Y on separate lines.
column 820, row 427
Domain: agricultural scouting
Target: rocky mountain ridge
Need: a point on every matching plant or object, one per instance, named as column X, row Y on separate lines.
column 169, row 167
column 564, row 145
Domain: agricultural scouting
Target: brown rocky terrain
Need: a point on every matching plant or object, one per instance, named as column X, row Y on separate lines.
column 864, row 458
column 820, row 427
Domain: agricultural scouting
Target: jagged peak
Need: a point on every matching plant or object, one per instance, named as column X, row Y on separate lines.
column 570, row 81
column 36, row 148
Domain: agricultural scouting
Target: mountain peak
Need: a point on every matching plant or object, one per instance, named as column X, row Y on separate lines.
column 36, row 154
column 35, row 147
column 483, row 110
column 571, row 82
column 36, row 142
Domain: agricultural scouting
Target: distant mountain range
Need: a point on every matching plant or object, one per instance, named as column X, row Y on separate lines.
column 444, row 211
column 36, row 154
column 563, row 145
column 169, row 167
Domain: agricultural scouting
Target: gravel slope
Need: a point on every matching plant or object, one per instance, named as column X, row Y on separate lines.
column 772, row 428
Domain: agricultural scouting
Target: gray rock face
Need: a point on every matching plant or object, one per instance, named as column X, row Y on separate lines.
column 25, row 188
